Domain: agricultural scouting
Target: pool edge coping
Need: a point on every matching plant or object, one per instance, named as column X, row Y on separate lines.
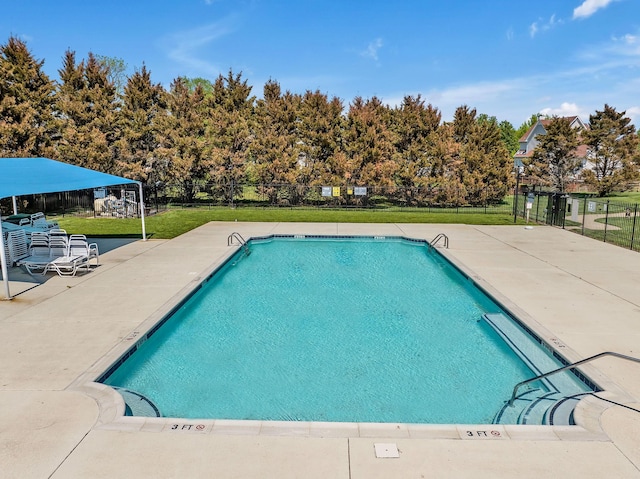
column 112, row 407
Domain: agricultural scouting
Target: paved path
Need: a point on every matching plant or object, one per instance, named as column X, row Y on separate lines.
column 591, row 223
column 578, row 294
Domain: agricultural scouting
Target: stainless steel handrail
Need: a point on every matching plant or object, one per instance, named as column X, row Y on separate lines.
column 438, row 238
column 569, row 366
column 241, row 241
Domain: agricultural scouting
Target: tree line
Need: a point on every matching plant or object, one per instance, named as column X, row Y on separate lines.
column 219, row 132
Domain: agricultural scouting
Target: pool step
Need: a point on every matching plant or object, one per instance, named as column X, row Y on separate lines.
column 137, row 404
column 536, row 412
column 511, row 414
column 553, row 402
column 539, row 407
column 561, row 414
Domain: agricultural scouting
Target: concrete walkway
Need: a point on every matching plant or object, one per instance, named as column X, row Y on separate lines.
column 578, row 294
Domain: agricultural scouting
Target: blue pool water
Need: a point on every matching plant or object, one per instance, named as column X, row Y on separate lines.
column 357, row 330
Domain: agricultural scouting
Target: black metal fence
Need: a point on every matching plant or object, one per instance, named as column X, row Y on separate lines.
column 331, row 196
column 604, row 220
column 119, row 201
column 613, row 222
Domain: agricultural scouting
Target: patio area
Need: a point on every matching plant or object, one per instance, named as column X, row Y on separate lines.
column 578, row 294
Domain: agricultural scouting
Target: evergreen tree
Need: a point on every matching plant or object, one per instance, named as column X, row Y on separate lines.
column 27, row 125
column 183, row 149
column 143, row 106
column 612, row 145
column 320, row 130
column 464, row 121
column 488, row 163
column 485, row 163
column 274, row 150
column 230, row 129
column 370, row 143
column 554, row 161
column 414, row 124
column 445, row 161
column 88, row 104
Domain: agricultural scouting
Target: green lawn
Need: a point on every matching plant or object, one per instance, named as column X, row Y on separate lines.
column 627, row 197
column 173, row 223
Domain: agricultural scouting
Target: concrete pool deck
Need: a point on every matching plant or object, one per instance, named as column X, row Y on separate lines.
column 583, row 296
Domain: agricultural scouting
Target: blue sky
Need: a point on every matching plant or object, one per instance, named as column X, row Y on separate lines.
column 506, row 58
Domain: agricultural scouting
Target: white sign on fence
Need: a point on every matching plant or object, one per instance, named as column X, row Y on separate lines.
column 575, row 205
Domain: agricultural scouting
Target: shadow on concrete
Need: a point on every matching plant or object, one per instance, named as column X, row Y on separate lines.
column 21, row 281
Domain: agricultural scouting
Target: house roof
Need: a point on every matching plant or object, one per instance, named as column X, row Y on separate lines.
column 27, row 176
column 580, row 152
column 524, row 138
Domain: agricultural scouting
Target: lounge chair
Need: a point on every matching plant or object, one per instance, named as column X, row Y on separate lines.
column 20, row 254
column 58, row 245
column 39, row 244
column 78, row 244
column 17, row 245
column 67, row 265
column 38, row 220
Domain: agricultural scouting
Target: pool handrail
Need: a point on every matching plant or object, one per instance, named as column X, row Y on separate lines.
column 569, row 366
column 238, row 237
column 435, row 240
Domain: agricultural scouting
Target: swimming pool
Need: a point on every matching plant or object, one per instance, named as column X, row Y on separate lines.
column 330, row 329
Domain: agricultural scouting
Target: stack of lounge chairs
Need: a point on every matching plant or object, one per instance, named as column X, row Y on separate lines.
column 34, row 223
column 53, row 250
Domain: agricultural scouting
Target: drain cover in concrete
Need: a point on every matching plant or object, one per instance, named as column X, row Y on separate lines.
column 386, row 450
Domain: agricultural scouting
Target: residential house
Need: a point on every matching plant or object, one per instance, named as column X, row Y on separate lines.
column 529, row 141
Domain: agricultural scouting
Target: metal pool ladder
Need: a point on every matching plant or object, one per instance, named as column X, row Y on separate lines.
column 241, row 241
column 441, row 236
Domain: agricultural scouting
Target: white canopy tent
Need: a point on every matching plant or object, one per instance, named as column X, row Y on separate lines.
column 28, row 176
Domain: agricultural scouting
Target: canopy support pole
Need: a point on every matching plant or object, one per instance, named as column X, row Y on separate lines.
column 144, row 231
column 3, row 260
column 15, row 205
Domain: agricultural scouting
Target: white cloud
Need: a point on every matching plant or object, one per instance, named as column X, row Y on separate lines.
column 372, row 49
column 601, row 73
column 510, row 34
column 483, row 96
column 541, row 25
column 626, row 45
column 589, row 7
column 186, row 45
column 565, row 109
column 624, row 50
column 634, row 113
column 470, row 94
